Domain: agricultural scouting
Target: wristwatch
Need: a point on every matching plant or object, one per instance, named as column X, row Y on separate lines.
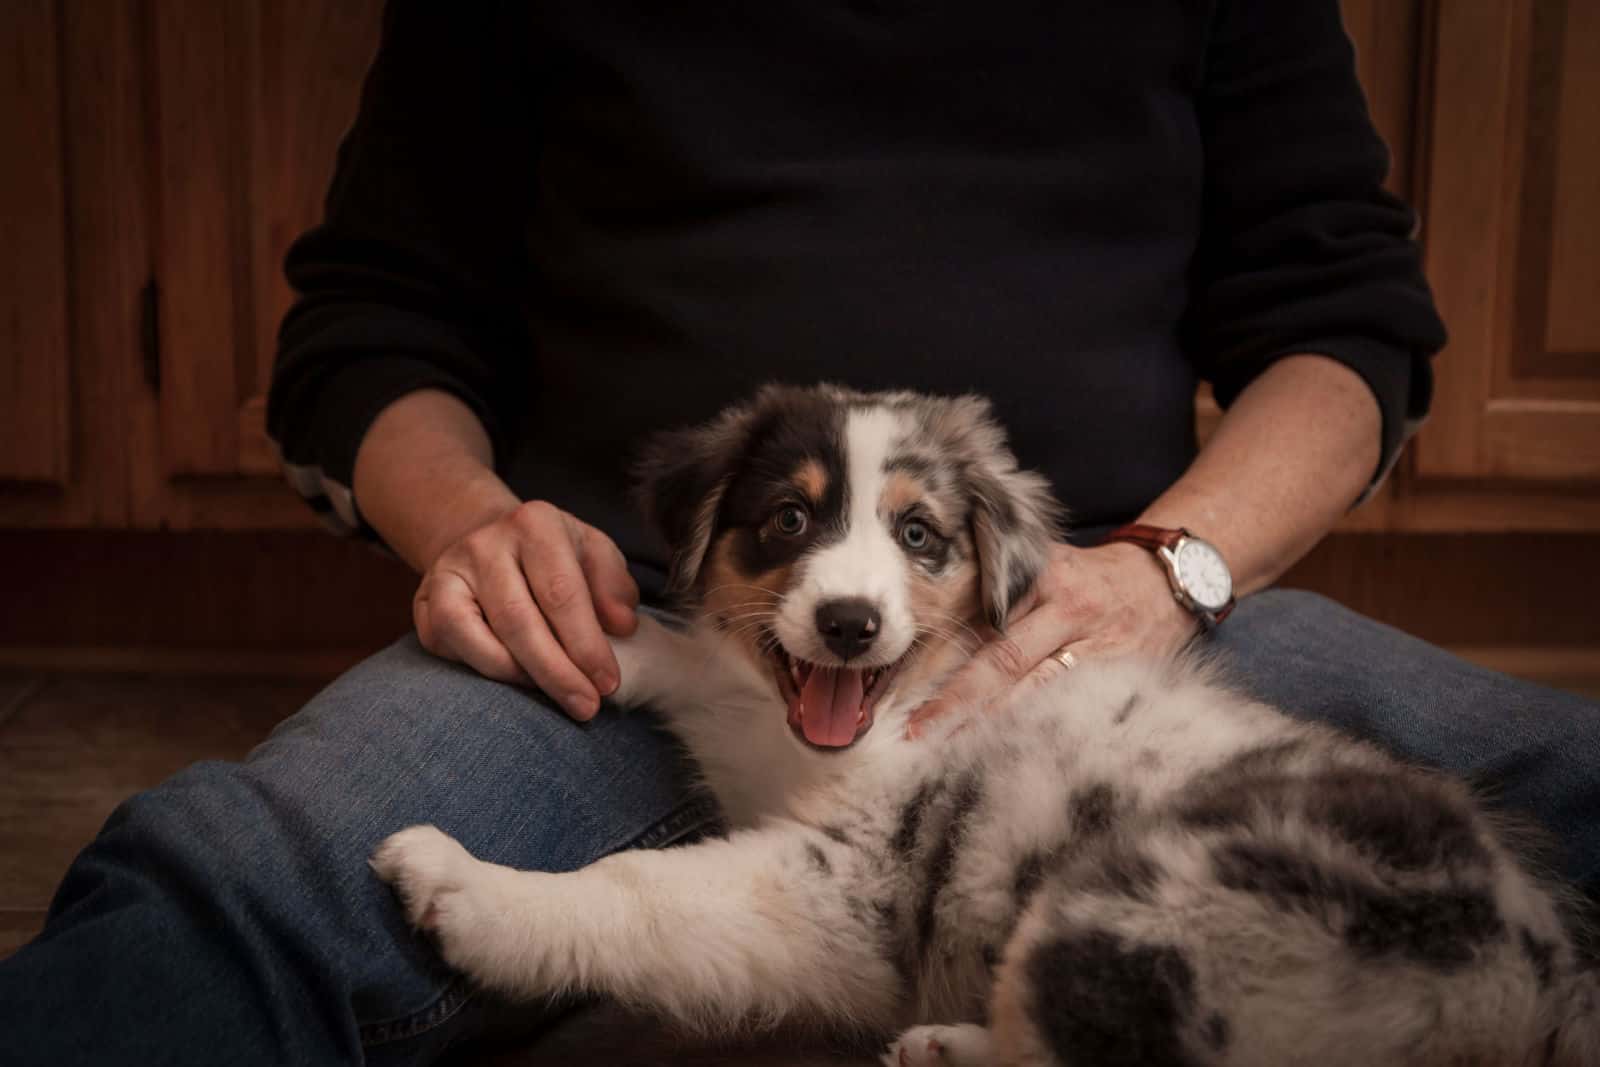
column 1199, row 577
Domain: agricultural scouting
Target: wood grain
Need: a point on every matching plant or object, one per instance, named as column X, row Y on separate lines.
column 1466, row 203
column 214, row 593
column 199, row 215
column 1573, row 312
column 34, row 416
column 1513, row 165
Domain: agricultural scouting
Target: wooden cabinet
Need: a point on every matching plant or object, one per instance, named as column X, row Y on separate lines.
column 1513, row 199
column 168, row 151
column 250, row 100
column 72, row 269
column 161, row 157
column 35, row 423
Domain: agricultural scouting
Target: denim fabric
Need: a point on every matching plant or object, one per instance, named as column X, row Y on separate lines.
column 228, row 916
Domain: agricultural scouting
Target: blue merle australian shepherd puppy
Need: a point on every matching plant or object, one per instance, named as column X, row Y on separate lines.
column 1131, row 865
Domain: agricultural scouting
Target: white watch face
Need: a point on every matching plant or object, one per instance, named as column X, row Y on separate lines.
column 1203, row 575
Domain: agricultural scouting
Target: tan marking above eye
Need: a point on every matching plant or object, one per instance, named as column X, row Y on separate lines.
column 812, row 478
column 900, row 491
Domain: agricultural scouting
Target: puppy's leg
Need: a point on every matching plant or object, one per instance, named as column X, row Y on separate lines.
column 676, row 672
column 965, row 1045
column 753, row 928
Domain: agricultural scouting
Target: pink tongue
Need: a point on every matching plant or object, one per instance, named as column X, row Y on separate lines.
column 831, row 703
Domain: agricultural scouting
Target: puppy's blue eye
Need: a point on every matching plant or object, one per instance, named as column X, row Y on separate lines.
column 790, row 521
column 914, row 535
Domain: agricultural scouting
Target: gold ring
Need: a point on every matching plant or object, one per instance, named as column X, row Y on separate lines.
column 1065, row 657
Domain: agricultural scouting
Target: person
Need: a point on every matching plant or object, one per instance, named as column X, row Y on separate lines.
column 556, row 228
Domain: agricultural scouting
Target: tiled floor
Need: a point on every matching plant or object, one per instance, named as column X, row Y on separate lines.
column 71, row 748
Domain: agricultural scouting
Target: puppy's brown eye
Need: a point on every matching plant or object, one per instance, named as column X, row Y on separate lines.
column 915, row 536
column 790, row 521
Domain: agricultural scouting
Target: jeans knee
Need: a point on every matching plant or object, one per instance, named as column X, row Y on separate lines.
column 201, row 832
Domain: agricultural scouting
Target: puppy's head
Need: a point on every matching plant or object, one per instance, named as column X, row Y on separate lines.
column 848, row 543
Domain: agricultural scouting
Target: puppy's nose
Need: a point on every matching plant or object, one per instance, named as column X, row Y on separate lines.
column 847, row 625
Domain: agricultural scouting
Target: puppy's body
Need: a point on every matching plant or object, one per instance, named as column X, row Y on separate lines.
column 1129, row 865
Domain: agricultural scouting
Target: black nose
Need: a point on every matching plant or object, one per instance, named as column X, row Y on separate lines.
column 847, row 625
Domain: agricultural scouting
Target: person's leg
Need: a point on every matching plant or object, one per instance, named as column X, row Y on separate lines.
column 1534, row 750
column 229, row 915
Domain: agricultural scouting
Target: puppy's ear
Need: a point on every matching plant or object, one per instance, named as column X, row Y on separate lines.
column 679, row 482
column 1014, row 522
column 1015, row 516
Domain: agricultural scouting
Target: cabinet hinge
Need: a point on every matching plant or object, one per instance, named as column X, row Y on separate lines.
column 150, row 333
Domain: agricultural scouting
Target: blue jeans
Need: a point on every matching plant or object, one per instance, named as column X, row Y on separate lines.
column 228, row 915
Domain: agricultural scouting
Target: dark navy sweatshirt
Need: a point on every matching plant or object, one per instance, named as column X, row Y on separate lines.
column 593, row 219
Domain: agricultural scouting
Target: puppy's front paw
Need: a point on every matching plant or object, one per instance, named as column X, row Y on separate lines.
column 477, row 912
column 965, row 1045
column 428, row 868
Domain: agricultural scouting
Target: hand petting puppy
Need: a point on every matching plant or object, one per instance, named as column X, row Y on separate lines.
column 1096, row 603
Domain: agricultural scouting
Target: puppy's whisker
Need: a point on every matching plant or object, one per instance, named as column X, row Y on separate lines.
column 950, row 636
column 744, row 631
column 744, row 623
column 946, row 617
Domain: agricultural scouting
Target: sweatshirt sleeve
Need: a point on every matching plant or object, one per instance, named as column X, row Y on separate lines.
column 415, row 277
column 1302, row 250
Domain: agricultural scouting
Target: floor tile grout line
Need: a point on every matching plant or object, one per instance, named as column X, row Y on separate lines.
column 20, row 700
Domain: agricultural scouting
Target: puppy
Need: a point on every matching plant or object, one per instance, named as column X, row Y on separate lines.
column 1132, row 865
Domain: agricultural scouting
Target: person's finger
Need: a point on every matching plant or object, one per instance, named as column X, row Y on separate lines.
column 517, row 621
column 450, row 624
column 615, row 593
column 997, row 666
column 1051, row 668
column 547, row 553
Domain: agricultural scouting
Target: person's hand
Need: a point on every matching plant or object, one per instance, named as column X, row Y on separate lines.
column 528, row 598
column 1096, row 603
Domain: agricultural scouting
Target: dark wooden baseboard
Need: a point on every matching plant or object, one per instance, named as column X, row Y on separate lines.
column 307, row 604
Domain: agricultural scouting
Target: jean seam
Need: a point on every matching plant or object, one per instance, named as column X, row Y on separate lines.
column 675, row 825
column 455, row 995
column 441, row 1010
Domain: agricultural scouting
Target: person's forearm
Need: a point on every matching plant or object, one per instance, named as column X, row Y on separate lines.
column 424, row 476
column 1290, row 457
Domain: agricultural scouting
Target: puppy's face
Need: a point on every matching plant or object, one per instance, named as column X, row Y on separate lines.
column 848, row 543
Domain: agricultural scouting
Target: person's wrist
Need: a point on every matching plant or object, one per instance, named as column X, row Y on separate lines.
column 470, row 502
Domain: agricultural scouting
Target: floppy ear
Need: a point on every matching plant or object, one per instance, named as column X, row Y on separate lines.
column 1014, row 523
column 1015, row 516
column 679, row 483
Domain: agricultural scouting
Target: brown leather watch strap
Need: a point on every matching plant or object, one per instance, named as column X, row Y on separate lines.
column 1151, row 537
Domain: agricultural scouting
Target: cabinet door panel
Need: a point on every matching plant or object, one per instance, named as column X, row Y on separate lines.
column 199, row 188
column 1573, row 310
column 34, row 414
column 1513, row 243
column 254, row 98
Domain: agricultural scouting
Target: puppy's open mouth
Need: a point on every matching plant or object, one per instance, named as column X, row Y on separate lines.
column 830, row 708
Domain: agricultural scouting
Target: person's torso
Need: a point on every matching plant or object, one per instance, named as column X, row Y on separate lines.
column 999, row 198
